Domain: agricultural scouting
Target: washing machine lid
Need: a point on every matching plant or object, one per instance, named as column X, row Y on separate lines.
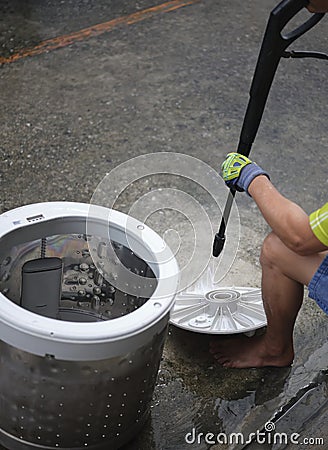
column 219, row 310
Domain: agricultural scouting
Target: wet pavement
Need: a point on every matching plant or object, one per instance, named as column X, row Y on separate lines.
column 173, row 81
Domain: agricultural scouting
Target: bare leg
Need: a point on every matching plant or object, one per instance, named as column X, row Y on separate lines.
column 283, row 275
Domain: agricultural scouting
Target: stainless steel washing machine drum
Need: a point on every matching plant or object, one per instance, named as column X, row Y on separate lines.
column 86, row 294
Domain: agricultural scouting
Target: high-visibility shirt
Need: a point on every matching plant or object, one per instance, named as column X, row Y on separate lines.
column 319, row 224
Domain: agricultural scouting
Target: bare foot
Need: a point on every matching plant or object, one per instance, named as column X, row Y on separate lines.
column 242, row 352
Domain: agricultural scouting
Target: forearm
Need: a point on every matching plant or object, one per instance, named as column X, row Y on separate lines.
column 287, row 220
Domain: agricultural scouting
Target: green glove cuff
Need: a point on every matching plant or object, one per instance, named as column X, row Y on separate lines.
column 233, row 165
column 238, row 171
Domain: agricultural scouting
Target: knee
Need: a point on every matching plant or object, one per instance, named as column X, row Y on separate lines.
column 271, row 252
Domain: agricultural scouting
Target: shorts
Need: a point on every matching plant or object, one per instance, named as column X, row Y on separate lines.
column 318, row 286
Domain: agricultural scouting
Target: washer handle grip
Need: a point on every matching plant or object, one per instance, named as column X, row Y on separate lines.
column 284, row 13
column 273, row 46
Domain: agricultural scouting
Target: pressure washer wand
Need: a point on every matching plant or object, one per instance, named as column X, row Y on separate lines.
column 272, row 50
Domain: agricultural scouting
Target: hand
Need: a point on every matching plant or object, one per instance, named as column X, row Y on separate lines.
column 318, row 6
column 238, row 171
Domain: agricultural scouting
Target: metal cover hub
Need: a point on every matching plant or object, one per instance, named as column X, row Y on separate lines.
column 225, row 310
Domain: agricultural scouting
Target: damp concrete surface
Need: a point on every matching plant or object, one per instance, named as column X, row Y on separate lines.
column 175, row 82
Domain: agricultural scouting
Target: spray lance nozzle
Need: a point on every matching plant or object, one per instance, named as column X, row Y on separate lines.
column 218, row 244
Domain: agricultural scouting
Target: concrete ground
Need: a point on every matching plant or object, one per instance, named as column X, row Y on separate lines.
column 173, row 79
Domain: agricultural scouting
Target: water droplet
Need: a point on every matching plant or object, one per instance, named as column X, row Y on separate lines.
column 6, row 261
column 5, row 276
column 84, row 267
column 95, row 303
column 102, row 250
column 111, row 289
column 98, row 278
